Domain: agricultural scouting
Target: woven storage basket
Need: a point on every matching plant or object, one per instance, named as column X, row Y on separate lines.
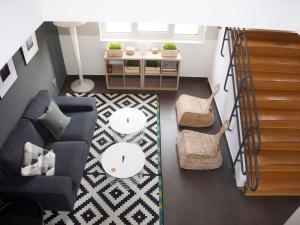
column 169, row 53
column 114, row 52
column 152, row 70
column 195, row 112
column 199, row 151
column 132, row 69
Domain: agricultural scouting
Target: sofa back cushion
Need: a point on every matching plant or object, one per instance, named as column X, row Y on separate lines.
column 37, row 107
column 11, row 154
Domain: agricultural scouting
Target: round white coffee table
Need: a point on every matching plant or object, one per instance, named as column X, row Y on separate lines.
column 123, row 160
column 128, row 123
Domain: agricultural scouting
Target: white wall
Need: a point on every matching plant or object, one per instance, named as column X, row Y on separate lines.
column 197, row 59
column 18, row 19
column 269, row 14
column 225, row 100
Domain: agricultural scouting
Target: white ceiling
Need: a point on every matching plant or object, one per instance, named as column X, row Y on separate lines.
column 19, row 18
column 272, row 14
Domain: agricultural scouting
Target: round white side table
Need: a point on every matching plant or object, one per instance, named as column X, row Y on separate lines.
column 128, row 123
column 123, row 160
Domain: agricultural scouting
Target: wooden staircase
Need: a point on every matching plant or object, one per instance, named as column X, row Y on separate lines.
column 275, row 62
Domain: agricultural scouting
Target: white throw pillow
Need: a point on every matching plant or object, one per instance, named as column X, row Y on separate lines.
column 37, row 161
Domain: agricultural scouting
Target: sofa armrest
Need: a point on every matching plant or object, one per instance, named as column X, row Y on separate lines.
column 53, row 192
column 75, row 104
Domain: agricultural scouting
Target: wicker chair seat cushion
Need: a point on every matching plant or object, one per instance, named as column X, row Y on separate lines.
column 193, row 104
column 195, row 112
column 198, row 145
column 199, row 151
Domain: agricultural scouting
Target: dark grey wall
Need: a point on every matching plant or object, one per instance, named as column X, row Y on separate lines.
column 46, row 65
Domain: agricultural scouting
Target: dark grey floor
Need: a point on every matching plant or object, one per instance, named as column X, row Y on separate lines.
column 204, row 197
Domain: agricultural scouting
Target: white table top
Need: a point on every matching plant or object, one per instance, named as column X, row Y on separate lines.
column 123, row 160
column 128, row 121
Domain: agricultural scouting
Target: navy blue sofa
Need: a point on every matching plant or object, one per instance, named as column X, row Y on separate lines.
column 53, row 192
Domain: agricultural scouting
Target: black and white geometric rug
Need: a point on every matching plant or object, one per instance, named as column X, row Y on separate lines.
column 99, row 202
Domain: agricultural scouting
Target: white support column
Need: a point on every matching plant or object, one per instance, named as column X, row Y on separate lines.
column 74, row 38
column 81, row 85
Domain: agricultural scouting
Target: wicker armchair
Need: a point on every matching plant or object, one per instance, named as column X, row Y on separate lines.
column 199, row 151
column 195, row 112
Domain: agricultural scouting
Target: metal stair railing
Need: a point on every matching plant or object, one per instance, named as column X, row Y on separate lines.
column 244, row 109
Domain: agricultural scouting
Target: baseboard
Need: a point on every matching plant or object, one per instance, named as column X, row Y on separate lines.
column 226, row 141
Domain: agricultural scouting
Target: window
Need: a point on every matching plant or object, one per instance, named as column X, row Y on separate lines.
column 160, row 32
column 115, row 27
column 186, row 29
column 156, row 27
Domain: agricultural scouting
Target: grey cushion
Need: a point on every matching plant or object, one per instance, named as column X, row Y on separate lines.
column 81, row 127
column 54, row 120
column 71, row 157
column 11, row 154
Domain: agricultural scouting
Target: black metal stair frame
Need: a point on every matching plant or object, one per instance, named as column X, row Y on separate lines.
column 244, row 109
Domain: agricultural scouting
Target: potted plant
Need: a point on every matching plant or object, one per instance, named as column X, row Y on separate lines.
column 152, row 67
column 169, row 50
column 115, row 49
column 132, row 67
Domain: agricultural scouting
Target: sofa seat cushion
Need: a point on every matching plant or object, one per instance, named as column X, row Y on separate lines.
column 11, row 154
column 80, row 128
column 70, row 157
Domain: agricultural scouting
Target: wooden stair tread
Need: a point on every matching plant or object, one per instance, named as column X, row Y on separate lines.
column 279, row 146
column 268, row 99
column 283, row 157
column 274, row 192
column 273, row 44
column 273, row 48
column 266, row 95
column 278, row 167
column 279, row 180
column 260, row 84
column 265, row 114
column 279, row 119
column 272, row 35
column 280, row 135
column 279, row 124
column 275, row 64
column 276, row 81
column 271, row 60
column 279, row 77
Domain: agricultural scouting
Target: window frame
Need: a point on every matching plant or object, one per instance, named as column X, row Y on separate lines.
column 105, row 27
column 154, row 36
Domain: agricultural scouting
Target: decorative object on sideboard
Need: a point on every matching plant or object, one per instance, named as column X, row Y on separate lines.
column 155, row 50
column 81, row 85
column 30, row 48
column 130, row 50
column 169, row 50
column 109, row 68
column 115, row 49
column 8, row 76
